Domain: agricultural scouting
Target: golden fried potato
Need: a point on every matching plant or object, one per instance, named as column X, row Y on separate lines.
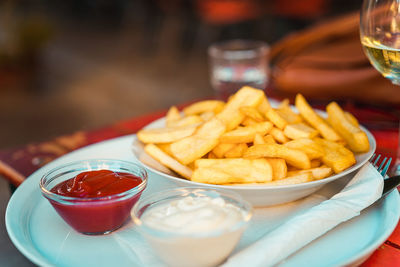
column 245, row 97
column 317, row 173
column 172, row 116
column 354, row 136
column 165, row 135
column 258, row 139
column 336, row 156
column 293, row 157
column 279, row 168
column 168, row 161
column 186, row 121
column 248, row 121
column 278, row 135
column 264, row 106
column 200, row 143
column 299, row 130
column 277, row 120
column 308, row 146
column 252, row 113
column 204, row 106
column 314, row 119
column 223, row 171
column 206, row 116
column 268, row 139
column 220, row 150
column 237, row 151
column 352, row 119
column 246, row 134
column 298, row 179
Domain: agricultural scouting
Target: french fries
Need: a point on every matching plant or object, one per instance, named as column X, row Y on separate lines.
column 312, row 118
column 223, row 171
column 346, row 127
column 248, row 142
column 293, row 157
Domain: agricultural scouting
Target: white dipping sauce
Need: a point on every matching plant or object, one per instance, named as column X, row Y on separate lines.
column 193, row 215
column 202, row 231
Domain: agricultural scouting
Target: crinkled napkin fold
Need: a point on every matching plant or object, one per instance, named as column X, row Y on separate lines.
column 362, row 191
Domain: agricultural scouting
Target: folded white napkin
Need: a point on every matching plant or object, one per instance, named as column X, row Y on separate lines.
column 362, row 191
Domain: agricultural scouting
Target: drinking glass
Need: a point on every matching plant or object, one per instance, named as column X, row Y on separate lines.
column 380, row 38
column 236, row 63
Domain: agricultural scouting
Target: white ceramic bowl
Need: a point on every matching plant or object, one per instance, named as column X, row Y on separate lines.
column 258, row 195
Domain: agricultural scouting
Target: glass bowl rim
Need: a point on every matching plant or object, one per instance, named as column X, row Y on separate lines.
column 77, row 200
column 178, row 192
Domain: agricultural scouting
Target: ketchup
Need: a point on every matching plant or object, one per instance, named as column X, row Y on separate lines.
column 99, row 183
column 89, row 213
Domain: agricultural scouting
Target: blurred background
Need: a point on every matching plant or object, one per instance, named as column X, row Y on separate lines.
column 83, row 64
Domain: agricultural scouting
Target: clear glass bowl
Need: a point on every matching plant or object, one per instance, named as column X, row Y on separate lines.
column 193, row 248
column 95, row 215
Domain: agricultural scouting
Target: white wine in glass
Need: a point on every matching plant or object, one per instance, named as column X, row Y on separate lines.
column 380, row 38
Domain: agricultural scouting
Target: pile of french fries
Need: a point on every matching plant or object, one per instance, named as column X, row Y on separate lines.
column 247, row 142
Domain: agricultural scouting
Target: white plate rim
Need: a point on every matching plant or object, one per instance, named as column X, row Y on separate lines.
column 392, row 200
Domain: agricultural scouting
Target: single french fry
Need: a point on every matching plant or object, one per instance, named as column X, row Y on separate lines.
column 222, row 171
column 278, row 135
column 277, row 120
column 317, row 173
column 220, row 150
column 237, row 151
column 336, row 156
column 268, row 139
column 252, row 113
column 258, row 139
column 308, row 146
column 314, row 119
column 172, row 116
column 289, row 115
column 165, row 135
column 294, row 157
column 204, row 106
column 206, row 116
column 186, row 121
column 264, row 106
column 246, row 96
column 352, row 119
column 248, row 121
column 315, row 163
column 200, row 143
column 279, row 168
column 166, row 147
column 168, row 161
column 284, row 104
column 246, row 134
column 354, row 136
column 298, row 179
column 299, row 130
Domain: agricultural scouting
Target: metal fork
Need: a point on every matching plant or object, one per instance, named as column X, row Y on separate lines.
column 382, row 168
column 389, row 183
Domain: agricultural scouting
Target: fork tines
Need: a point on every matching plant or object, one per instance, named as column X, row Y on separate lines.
column 383, row 167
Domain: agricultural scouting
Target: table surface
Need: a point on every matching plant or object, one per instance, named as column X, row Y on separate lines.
column 17, row 163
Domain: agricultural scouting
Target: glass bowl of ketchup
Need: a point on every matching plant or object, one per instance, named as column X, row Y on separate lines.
column 94, row 196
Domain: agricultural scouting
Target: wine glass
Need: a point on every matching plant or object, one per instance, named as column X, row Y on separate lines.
column 380, row 38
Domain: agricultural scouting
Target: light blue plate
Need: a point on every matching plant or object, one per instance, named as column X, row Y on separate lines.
column 44, row 238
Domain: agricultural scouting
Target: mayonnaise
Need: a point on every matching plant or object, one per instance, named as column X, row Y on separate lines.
column 193, row 215
column 194, row 231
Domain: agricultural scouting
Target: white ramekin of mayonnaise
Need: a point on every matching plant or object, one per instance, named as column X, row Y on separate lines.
column 192, row 226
